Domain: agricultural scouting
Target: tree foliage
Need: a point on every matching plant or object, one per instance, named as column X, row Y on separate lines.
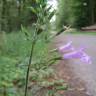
column 13, row 13
column 76, row 13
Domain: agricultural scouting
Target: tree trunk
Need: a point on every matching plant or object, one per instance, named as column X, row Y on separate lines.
column 3, row 17
column 19, row 14
column 91, row 2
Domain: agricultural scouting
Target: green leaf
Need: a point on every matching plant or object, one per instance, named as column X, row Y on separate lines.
column 48, row 9
column 33, row 9
column 24, row 30
column 37, row 1
column 51, row 14
column 6, row 84
column 62, row 87
column 51, row 92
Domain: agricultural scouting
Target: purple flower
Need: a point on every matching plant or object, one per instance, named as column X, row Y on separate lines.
column 67, row 47
column 86, row 59
column 79, row 54
column 75, row 54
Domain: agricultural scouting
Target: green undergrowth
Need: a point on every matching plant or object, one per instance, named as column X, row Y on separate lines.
column 15, row 55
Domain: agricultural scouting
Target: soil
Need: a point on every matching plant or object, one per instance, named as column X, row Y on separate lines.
column 76, row 85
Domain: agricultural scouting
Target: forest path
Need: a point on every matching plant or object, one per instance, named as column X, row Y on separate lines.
column 81, row 74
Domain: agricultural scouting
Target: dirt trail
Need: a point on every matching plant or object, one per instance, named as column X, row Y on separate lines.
column 81, row 77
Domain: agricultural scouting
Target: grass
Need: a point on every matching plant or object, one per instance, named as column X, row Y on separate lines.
column 15, row 54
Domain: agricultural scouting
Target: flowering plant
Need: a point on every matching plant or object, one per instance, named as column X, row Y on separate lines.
column 69, row 52
column 42, row 76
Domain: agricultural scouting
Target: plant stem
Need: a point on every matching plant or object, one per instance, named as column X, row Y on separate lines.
column 28, row 69
column 51, row 61
column 5, row 92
